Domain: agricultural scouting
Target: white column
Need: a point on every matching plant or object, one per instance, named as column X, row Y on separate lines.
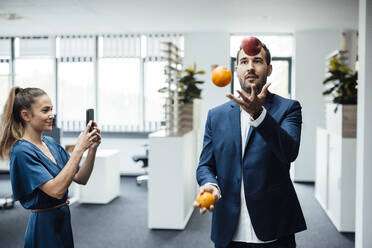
column 363, row 222
column 309, row 73
column 207, row 49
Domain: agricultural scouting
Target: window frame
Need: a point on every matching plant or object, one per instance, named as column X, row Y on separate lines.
column 7, row 61
column 287, row 59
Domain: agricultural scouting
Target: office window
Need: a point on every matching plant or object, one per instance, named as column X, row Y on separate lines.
column 154, row 101
column 119, row 94
column 279, row 78
column 5, row 84
column 75, row 77
column 76, row 93
column 154, row 77
column 34, row 63
column 36, row 72
column 118, row 75
column 281, row 49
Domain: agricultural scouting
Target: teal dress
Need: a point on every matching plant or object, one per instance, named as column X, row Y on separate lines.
column 29, row 169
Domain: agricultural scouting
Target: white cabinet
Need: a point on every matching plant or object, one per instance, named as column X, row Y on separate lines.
column 104, row 182
column 172, row 185
column 335, row 178
column 321, row 176
column 4, row 165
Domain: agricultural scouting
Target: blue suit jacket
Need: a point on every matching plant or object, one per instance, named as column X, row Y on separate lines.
column 270, row 196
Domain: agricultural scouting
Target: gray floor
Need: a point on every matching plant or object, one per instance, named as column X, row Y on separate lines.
column 123, row 223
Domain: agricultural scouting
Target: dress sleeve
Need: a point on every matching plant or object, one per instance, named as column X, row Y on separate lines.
column 27, row 172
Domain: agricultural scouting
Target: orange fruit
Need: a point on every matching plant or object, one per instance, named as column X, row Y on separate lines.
column 221, row 76
column 205, row 199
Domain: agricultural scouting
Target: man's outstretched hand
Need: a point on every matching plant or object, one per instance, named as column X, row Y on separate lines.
column 252, row 104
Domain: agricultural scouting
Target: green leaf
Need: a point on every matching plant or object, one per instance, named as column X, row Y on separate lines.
column 163, row 90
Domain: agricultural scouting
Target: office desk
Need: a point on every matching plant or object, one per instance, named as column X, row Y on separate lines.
column 4, row 166
column 104, row 183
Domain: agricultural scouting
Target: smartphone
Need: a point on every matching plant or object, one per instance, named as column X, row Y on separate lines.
column 90, row 117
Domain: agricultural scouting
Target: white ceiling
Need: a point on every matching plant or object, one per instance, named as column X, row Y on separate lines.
column 233, row 16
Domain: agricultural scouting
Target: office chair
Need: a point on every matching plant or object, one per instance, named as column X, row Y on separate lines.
column 145, row 163
column 6, row 202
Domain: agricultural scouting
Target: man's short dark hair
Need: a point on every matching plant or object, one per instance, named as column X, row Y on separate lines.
column 267, row 52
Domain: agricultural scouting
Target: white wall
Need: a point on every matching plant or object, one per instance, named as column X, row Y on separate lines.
column 363, row 230
column 312, row 47
column 207, row 49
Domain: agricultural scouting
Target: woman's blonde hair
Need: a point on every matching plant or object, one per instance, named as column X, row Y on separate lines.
column 12, row 126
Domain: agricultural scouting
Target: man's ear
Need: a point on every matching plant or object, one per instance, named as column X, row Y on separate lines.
column 25, row 115
column 269, row 70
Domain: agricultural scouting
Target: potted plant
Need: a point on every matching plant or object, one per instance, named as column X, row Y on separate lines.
column 343, row 89
column 344, row 81
column 188, row 91
column 188, row 85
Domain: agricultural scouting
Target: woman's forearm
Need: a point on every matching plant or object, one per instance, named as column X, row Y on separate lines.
column 58, row 186
column 86, row 169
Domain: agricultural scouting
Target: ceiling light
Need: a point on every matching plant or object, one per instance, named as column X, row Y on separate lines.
column 265, row 18
column 10, row 16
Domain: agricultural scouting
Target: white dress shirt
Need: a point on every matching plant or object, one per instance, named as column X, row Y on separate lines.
column 244, row 231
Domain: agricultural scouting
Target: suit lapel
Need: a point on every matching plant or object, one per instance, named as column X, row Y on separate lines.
column 234, row 117
column 268, row 101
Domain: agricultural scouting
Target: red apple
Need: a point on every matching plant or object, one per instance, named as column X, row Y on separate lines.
column 251, row 46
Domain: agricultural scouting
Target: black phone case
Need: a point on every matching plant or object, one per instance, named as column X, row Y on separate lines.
column 90, row 116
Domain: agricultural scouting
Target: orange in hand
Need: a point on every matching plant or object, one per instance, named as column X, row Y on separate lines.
column 221, row 76
column 205, row 199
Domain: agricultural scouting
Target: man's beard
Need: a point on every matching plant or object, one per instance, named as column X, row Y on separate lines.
column 247, row 87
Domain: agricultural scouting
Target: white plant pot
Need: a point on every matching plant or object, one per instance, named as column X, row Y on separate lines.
column 344, row 121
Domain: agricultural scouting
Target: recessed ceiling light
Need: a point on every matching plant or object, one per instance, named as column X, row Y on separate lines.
column 10, row 16
column 265, row 18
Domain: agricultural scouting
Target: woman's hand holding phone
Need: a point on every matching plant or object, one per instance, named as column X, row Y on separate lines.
column 87, row 139
column 97, row 139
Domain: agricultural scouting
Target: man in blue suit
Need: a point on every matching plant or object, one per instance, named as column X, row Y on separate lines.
column 249, row 144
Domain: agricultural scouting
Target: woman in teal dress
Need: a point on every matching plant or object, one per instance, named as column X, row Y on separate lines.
column 40, row 169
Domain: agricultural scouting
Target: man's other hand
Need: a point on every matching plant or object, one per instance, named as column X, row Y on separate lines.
column 211, row 188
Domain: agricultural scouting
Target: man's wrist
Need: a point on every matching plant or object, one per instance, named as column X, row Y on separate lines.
column 261, row 116
column 257, row 114
column 216, row 186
